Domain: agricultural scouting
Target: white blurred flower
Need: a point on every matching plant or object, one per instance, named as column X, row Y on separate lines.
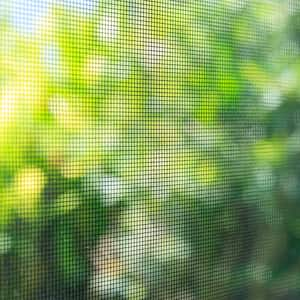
column 108, row 28
column 51, row 59
column 5, row 243
column 154, row 53
column 288, row 79
column 152, row 242
column 265, row 178
column 272, row 98
column 26, row 15
column 112, row 189
column 106, row 285
column 202, row 137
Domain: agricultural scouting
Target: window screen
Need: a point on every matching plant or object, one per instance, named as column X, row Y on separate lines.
column 149, row 149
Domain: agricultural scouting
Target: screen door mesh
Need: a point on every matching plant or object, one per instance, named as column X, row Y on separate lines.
column 149, row 149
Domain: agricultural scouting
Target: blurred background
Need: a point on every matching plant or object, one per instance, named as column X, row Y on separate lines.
column 149, row 149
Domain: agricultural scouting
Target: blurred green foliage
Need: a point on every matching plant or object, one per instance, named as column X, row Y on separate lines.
column 149, row 149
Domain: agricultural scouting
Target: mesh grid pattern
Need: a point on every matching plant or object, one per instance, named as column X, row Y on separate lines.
column 149, row 149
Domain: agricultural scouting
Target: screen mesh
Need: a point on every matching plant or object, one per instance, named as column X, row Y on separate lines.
column 149, row 149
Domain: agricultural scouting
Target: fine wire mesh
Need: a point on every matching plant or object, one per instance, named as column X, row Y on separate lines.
column 149, row 149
